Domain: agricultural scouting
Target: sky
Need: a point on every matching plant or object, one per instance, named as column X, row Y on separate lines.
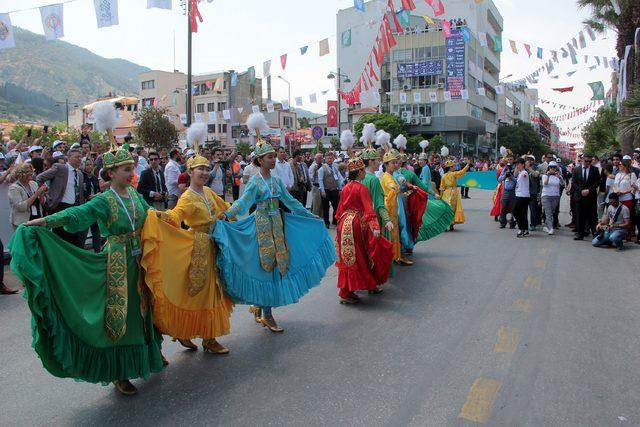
column 237, row 34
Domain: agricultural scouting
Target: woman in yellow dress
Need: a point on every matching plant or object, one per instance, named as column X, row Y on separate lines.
column 390, row 187
column 449, row 190
column 188, row 297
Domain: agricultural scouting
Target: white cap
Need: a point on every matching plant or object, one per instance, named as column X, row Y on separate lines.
column 57, row 154
column 1, row 156
column 56, row 143
column 34, row 148
column 75, row 145
column 190, row 152
column 626, row 157
column 553, row 164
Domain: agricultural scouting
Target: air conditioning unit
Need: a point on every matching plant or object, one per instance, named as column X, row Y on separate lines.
column 406, row 87
column 406, row 116
column 415, row 121
column 426, row 120
column 440, row 85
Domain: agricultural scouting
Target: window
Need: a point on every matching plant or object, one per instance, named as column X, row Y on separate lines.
column 403, row 55
column 222, row 128
column 222, row 106
column 287, row 121
column 148, row 102
column 149, row 84
column 488, row 116
column 509, row 103
column 211, row 106
column 199, row 108
column 211, row 128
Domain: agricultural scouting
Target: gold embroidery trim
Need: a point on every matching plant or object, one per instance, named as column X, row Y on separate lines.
column 347, row 242
column 199, row 263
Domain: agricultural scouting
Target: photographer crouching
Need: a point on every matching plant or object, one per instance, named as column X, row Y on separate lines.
column 612, row 228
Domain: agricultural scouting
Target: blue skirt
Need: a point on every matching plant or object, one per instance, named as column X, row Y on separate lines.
column 311, row 253
column 406, row 236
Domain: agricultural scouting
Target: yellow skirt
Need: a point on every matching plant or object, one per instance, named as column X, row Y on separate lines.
column 452, row 196
column 177, row 312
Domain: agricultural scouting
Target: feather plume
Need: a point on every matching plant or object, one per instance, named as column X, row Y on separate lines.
column 347, row 140
column 257, row 121
column 368, row 133
column 196, row 134
column 444, row 151
column 383, row 139
column 104, row 114
column 503, row 150
column 400, row 142
column 424, row 144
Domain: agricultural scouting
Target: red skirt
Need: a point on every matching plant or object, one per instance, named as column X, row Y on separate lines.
column 364, row 262
column 497, row 195
column 416, row 205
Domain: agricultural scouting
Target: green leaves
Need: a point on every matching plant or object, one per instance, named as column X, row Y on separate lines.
column 600, row 133
column 155, row 129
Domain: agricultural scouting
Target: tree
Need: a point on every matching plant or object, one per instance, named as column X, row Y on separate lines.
column 435, row 144
column 388, row 122
column 155, row 129
column 600, row 134
column 303, row 123
column 335, row 143
column 243, row 148
column 521, row 138
column 630, row 123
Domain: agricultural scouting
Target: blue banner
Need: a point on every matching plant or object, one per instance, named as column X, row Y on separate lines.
column 485, row 180
column 416, row 69
column 455, row 48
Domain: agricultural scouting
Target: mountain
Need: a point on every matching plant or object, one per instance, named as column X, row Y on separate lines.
column 37, row 72
column 306, row 113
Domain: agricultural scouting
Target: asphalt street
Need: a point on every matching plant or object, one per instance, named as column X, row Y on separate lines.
column 484, row 328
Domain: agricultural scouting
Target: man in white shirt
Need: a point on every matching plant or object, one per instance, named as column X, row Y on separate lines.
column 316, row 197
column 330, row 182
column 171, row 175
column 523, row 197
column 283, row 169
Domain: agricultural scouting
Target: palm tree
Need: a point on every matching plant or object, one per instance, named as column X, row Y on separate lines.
column 630, row 123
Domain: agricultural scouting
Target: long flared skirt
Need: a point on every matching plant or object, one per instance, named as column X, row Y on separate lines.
column 497, row 205
column 311, row 253
column 167, row 259
column 436, row 220
column 451, row 195
column 65, row 290
column 364, row 262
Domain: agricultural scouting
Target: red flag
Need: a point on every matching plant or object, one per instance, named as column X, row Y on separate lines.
column 408, row 5
column 377, row 53
column 364, row 82
column 381, row 51
column 563, row 89
column 332, row 114
column 396, row 21
column 194, row 16
column 383, row 37
column 528, row 48
column 368, row 78
column 372, row 71
column 437, row 6
column 283, row 60
column 446, row 28
column 391, row 40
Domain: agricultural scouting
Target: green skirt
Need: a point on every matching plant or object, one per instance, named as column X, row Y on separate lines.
column 65, row 289
column 436, row 219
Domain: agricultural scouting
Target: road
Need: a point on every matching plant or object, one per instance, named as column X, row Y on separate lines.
column 484, row 328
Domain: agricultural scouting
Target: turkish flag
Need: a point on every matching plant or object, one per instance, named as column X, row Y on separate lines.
column 332, row 114
column 408, row 5
column 387, row 33
column 396, row 22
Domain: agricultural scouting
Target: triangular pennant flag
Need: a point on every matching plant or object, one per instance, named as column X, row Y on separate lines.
column 234, row 79
column 255, row 109
column 283, row 61
column 52, row 21
column 616, row 7
column 324, row 47
column 592, row 34
column 597, row 60
column 497, row 43
column 313, row 98
column 372, row 71
column 266, row 69
column 359, row 5
column 513, row 46
column 240, row 110
column 303, row 50
column 395, row 17
column 466, row 34
column 324, row 92
column 408, row 5
column 428, row 20
column 251, row 71
column 446, row 28
column 554, row 55
column 598, row 91
column 388, row 33
column 539, row 53
column 481, row 91
column 575, row 42
column 403, row 16
column 528, row 49
column 298, row 101
column 377, row 52
column 581, row 40
column 285, row 105
column 499, row 90
column 482, row 36
column 345, row 38
column 106, row 12
column 563, row 89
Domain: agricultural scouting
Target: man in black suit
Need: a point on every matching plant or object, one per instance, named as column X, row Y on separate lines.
column 584, row 192
column 151, row 184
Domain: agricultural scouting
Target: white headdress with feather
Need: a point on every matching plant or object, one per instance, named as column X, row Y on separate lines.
column 257, row 123
column 347, row 140
column 400, row 142
column 383, row 140
column 444, row 151
column 196, row 135
column 104, row 114
column 424, row 144
column 368, row 134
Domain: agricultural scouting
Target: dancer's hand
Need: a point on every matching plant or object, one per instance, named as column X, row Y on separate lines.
column 222, row 216
column 39, row 222
column 389, row 226
column 376, row 233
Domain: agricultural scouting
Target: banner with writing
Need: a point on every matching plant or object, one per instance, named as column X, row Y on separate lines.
column 455, row 57
column 415, row 69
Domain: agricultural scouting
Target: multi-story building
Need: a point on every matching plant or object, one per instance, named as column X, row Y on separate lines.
column 424, row 65
column 164, row 89
column 513, row 105
column 542, row 124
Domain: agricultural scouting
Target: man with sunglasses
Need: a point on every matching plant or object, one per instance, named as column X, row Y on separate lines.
column 584, row 193
column 152, row 183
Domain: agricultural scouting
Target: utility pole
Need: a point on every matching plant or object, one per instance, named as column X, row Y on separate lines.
column 66, row 104
column 189, row 88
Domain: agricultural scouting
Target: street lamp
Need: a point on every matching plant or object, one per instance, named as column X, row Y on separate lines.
column 499, row 122
column 332, row 75
column 66, row 104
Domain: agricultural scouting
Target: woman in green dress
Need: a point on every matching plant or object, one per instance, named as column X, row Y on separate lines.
column 91, row 319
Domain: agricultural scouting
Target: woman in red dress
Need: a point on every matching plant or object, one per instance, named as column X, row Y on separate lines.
column 497, row 195
column 364, row 257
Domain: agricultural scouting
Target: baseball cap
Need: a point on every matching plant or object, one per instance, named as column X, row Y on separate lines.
column 75, row 145
column 626, row 157
column 56, row 143
column 553, row 164
column 57, row 154
column 34, row 148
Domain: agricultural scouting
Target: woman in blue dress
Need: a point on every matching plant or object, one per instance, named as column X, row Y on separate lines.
column 271, row 258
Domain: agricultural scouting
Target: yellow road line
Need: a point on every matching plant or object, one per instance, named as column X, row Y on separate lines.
column 533, row 282
column 480, row 399
column 507, row 341
column 524, row 305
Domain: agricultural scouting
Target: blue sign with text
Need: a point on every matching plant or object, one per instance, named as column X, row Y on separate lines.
column 416, row 69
